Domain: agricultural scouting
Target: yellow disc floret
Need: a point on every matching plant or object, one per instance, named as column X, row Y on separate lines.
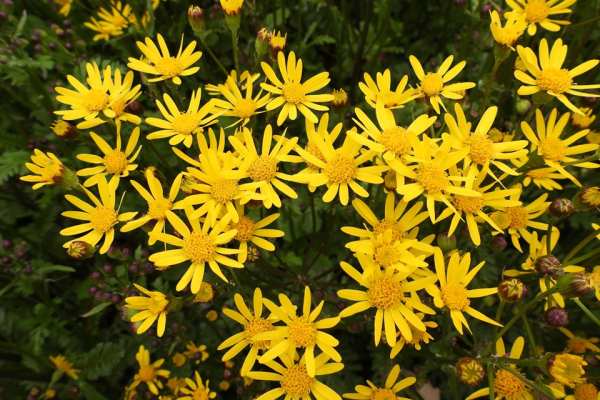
column 263, row 168
column 340, row 169
column 296, row 382
column 199, row 247
column 455, row 297
column 432, row 84
column 555, row 80
column 103, row 218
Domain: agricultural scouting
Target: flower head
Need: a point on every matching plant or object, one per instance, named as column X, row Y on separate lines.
column 111, row 23
column 231, row 7
column 151, row 308
column 162, row 63
column 195, row 389
column 379, row 91
column 435, row 85
column 290, row 93
column 540, row 12
column 149, row 372
column 389, row 390
column 47, row 169
column 567, row 369
column 63, row 365
column 550, row 76
column 512, row 30
column 256, row 232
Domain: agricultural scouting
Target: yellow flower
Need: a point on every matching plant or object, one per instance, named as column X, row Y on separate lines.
column 111, row 23
column 63, row 129
column 201, row 245
column 508, row 34
column 539, row 248
column 389, row 391
column 584, row 391
column 388, row 139
column 540, row 12
column 340, row 97
column 47, row 169
column 418, row 337
column 263, row 168
column 149, row 372
column 434, row 85
column 429, row 166
column 557, row 152
column 65, row 6
column 567, row 369
column 453, row 294
column 593, row 137
column 290, row 93
column 474, row 210
column 519, row 219
column 300, row 331
column 255, row 232
column 205, row 294
column 116, row 162
column 392, row 293
column 181, row 126
column 254, row 324
column 508, row 385
column 231, row 7
column 594, row 279
column 159, row 206
column 277, row 41
column 162, row 63
column 544, row 178
column 340, row 168
column 63, row 365
column 579, row 344
column 100, row 218
column 391, row 241
column 583, row 121
column 549, row 75
column 482, row 151
column 212, row 315
column 150, row 309
column 194, row 352
column 195, row 389
column 242, row 106
column 379, row 91
column 294, row 381
column 179, row 360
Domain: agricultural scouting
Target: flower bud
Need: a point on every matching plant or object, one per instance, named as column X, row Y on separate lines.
column 80, row 250
column 499, row 243
column 561, row 208
column 511, row 290
column 556, row 317
column 579, row 285
column 548, row 265
column 262, row 42
column 389, row 181
column 522, row 106
column 135, row 107
column 470, row 371
column 340, row 98
column 277, row 41
column 590, row 196
column 63, row 129
column 195, row 17
column 445, row 242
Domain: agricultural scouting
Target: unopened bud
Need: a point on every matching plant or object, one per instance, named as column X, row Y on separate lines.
column 561, row 208
column 277, row 41
column 195, row 17
column 511, row 290
column 340, row 98
column 578, row 286
column 499, row 243
column 389, row 181
column 548, row 265
column 522, row 106
column 63, row 129
column 261, row 44
column 135, row 107
column 470, row 371
column 80, row 250
column 557, row 317
column 445, row 242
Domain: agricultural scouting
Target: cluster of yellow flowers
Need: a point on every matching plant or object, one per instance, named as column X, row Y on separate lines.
column 433, row 169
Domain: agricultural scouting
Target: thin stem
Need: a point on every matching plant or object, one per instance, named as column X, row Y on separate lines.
column 578, row 247
column 530, row 337
column 212, row 55
column 234, row 46
column 586, row 256
column 587, row 311
column 523, row 310
column 491, row 376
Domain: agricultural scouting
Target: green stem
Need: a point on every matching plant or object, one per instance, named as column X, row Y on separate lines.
column 587, row 311
column 234, row 46
column 212, row 55
column 491, row 376
column 524, row 310
column 586, row 256
column 530, row 337
column 579, row 246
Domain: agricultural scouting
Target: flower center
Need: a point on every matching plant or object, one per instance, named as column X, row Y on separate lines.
column 383, row 225
column 386, row 254
column 509, row 386
column 115, row 162
column 147, row 373
column 586, row 391
column 245, row 229
column 263, row 168
column 256, row 326
column 555, row 80
column 53, row 171
column 467, row 204
column 157, row 304
column 224, row 190
column 95, row 100
column 293, row 92
column 103, row 218
column 383, row 394
column 432, row 84
column 200, row 394
column 553, row 149
column 168, row 66
column 454, row 296
column 396, row 140
column 158, row 208
column 302, row 332
column 340, row 169
column 185, row 124
column 536, row 10
column 385, row 292
column 296, row 382
column 245, row 108
column 481, row 148
column 518, row 217
column 199, row 247
column 433, row 178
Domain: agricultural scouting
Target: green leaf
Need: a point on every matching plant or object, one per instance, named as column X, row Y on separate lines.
column 12, row 163
column 97, row 309
column 101, row 360
column 89, row 392
column 55, row 268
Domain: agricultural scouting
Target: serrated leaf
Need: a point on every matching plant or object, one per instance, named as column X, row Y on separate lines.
column 98, row 308
column 12, row 163
column 89, row 392
column 101, row 360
